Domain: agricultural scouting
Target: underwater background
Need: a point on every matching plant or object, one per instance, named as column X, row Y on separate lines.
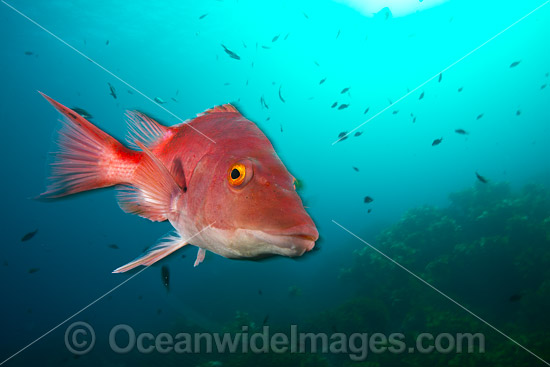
column 452, row 181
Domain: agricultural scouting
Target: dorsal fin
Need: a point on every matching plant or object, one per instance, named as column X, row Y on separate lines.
column 223, row 108
column 144, row 129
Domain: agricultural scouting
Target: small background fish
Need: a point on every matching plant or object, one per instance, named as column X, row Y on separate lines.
column 480, row 243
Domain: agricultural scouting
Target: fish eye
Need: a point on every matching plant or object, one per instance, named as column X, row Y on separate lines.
column 236, row 174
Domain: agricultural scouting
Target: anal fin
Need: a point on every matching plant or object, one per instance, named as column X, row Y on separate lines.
column 165, row 247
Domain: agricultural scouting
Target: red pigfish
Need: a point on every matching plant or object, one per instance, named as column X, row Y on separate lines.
column 216, row 178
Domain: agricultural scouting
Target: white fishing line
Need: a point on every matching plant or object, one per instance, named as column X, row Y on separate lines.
column 438, row 291
column 91, row 304
column 442, row 71
column 103, row 68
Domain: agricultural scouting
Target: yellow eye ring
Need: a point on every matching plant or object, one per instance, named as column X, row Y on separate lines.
column 236, row 174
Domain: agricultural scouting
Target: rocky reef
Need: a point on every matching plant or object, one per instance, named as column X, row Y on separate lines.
column 489, row 250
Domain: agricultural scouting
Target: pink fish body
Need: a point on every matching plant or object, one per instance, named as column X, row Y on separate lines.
column 216, row 178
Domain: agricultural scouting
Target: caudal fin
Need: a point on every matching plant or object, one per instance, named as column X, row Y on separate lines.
column 87, row 158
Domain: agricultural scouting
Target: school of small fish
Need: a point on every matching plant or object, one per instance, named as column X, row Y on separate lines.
column 235, row 52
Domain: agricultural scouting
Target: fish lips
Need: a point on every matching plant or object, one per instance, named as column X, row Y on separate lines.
column 295, row 241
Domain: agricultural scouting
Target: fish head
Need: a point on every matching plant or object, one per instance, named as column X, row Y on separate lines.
column 250, row 198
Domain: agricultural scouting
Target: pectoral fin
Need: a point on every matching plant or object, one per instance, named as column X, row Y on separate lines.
column 160, row 250
column 152, row 191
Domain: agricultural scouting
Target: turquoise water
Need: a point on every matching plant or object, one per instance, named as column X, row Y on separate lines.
column 173, row 50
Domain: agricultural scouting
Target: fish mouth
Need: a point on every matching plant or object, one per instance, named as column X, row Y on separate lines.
column 302, row 242
column 299, row 239
column 305, row 237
